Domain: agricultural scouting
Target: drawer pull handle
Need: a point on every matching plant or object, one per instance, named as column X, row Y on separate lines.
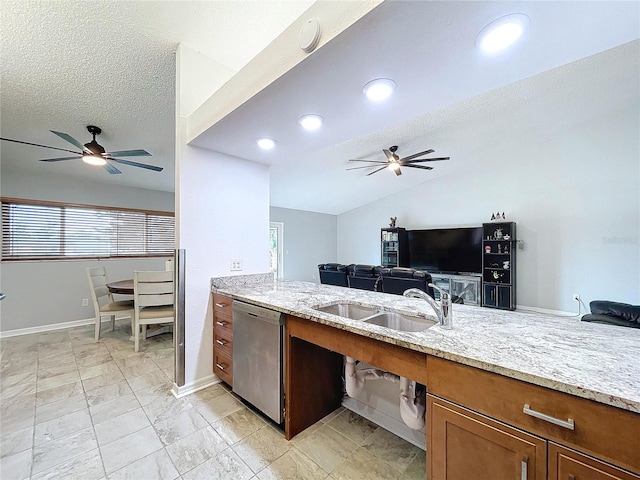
column 524, row 466
column 222, row 324
column 221, row 305
column 571, row 477
column 568, row 424
column 220, row 366
column 221, row 342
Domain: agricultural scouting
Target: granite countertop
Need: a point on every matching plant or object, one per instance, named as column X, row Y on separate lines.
column 597, row 362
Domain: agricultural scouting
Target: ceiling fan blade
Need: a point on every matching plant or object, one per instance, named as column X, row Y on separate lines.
column 136, row 164
column 397, row 171
column 418, row 166
column 388, row 154
column 71, row 140
column 428, row 160
column 129, row 153
column 415, row 155
column 368, row 161
column 38, row 145
column 60, row 159
column 111, row 169
column 377, row 170
column 364, row 166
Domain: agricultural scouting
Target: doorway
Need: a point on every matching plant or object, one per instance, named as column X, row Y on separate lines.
column 276, row 249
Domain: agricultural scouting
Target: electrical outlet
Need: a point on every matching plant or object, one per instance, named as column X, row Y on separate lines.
column 236, row 264
column 576, row 297
column 85, row 302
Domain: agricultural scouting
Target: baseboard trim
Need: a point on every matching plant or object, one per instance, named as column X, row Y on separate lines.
column 546, row 311
column 54, row 326
column 193, row 387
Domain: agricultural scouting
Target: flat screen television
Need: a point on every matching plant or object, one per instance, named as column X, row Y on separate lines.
column 446, row 250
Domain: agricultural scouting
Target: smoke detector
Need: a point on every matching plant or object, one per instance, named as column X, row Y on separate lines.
column 309, row 35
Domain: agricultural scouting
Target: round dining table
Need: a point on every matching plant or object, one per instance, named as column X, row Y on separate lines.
column 123, row 287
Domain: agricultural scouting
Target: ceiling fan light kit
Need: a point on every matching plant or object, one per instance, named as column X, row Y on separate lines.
column 379, row 89
column 93, row 159
column 502, row 33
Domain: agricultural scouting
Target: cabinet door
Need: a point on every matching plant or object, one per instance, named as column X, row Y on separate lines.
column 464, row 445
column 565, row 464
column 504, row 296
column 467, row 290
column 490, row 295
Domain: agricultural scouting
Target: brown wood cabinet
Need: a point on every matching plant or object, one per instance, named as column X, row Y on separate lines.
column 595, row 429
column 223, row 338
column 567, row 464
column 464, row 445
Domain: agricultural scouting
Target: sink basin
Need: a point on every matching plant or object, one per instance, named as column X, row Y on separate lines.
column 348, row 310
column 403, row 323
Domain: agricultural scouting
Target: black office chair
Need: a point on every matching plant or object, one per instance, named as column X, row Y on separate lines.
column 398, row 279
column 333, row 274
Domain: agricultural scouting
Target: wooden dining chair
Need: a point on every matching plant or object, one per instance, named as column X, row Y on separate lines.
column 103, row 303
column 153, row 297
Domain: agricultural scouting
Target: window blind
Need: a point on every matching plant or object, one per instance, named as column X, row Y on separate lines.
column 48, row 230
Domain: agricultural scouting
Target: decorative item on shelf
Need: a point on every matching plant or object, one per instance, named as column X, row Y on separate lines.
column 493, row 217
column 505, row 264
column 498, row 234
column 503, row 217
column 487, row 249
column 393, row 222
column 499, row 248
column 507, row 237
column 506, row 248
column 497, row 275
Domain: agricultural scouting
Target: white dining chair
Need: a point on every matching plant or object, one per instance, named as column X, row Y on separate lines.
column 103, row 303
column 153, row 297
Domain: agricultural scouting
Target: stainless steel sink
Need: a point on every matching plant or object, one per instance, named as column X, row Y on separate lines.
column 403, row 323
column 348, row 310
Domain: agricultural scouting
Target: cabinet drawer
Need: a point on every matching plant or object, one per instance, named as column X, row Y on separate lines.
column 222, row 304
column 569, row 464
column 223, row 366
column 223, row 324
column 223, row 341
column 600, row 430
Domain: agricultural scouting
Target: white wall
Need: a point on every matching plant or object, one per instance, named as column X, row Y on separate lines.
column 310, row 238
column 575, row 198
column 43, row 293
column 222, row 212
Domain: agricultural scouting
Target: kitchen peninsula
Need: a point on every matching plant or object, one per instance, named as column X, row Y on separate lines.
column 493, row 371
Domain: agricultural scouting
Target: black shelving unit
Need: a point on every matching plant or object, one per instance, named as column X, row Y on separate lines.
column 394, row 250
column 499, row 265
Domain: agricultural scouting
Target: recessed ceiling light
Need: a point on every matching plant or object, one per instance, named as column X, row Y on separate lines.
column 266, row 143
column 310, row 121
column 379, row 89
column 502, row 33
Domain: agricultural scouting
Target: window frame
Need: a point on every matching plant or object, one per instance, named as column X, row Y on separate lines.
column 63, row 239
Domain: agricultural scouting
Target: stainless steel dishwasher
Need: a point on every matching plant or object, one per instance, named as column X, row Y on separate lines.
column 258, row 360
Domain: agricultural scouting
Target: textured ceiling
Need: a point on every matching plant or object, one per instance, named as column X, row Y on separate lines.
column 67, row 64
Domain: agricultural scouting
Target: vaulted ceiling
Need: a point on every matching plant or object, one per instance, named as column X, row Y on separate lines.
column 70, row 64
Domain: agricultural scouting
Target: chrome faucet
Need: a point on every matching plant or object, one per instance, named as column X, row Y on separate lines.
column 443, row 311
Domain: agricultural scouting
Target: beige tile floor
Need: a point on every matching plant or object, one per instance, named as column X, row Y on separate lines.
column 78, row 409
